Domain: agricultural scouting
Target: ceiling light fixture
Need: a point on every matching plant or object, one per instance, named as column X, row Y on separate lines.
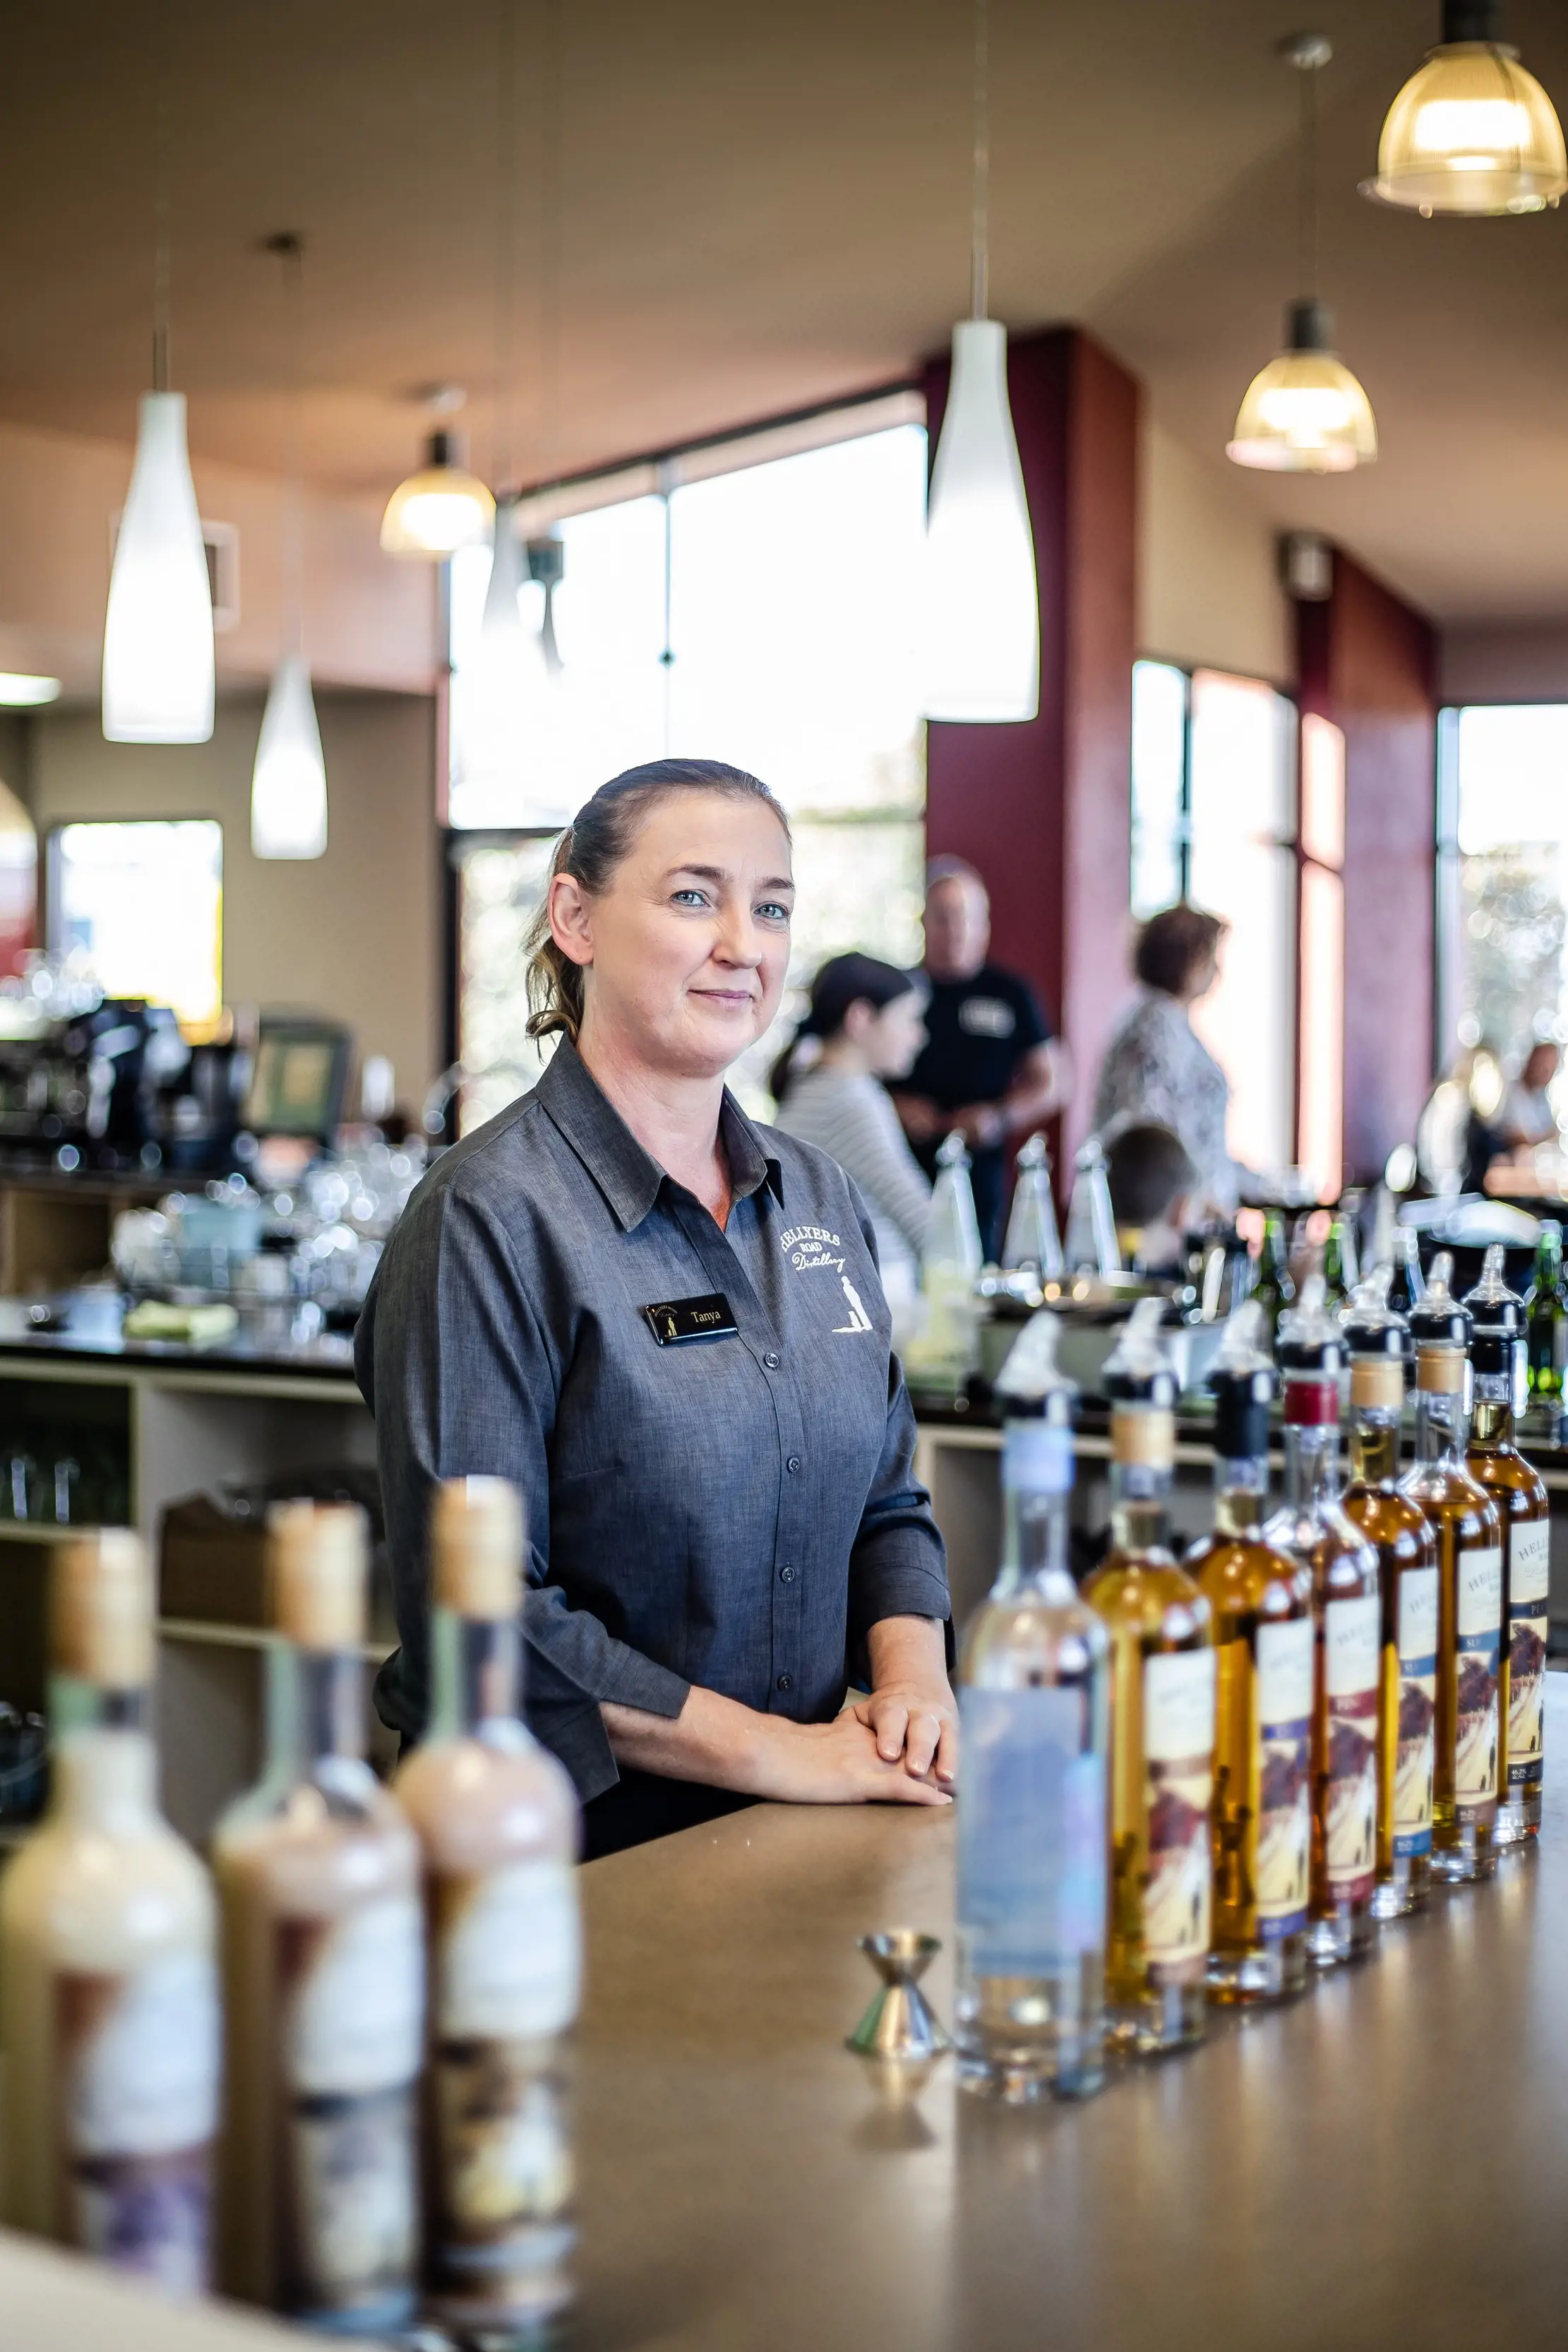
column 158, row 630
column 440, row 509
column 980, row 599
column 1471, row 131
column 1305, row 413
column 288, row 784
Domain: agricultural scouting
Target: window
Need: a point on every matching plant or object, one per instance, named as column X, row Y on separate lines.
column 1321, row 1145
column 143, row 904
column 756, row 606
column 1214, row 821
column 1502, row 878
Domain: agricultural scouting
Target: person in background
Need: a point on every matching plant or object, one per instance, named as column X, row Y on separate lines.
column 865, row 1018
column 1151, row 1181
column 1157, row 1069
column 1527, row 1117
column 990, row 1067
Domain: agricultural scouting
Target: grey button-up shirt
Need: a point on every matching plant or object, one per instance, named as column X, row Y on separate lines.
column 735, row 1512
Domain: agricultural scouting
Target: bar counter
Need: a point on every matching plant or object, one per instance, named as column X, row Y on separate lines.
column 1380, row 2165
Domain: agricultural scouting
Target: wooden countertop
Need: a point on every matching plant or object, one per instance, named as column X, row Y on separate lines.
column 1380, row 2165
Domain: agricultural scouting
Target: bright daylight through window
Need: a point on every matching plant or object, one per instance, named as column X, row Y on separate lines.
column 141, row 903
column 1503, row 877
column 762, row 613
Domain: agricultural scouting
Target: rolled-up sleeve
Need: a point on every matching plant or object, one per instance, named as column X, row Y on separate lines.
column 462, row 1377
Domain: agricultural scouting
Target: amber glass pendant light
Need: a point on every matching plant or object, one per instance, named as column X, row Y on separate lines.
column 1471, row 131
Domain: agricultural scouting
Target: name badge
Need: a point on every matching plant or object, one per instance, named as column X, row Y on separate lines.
column 674, row 1321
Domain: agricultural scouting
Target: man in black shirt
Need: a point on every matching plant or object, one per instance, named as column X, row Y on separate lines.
column 990, row 1066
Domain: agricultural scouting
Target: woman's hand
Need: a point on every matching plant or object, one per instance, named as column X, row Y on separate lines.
column 911, row 1709
column 837, row 1763
column 845, row 1762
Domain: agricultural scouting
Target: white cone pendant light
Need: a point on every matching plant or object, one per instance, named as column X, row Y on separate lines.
column 1471, row 133
column 158, row 635
column 980, row 599
column 979, row 595
column 438, row 509
column 289, row 788
column 504, row 731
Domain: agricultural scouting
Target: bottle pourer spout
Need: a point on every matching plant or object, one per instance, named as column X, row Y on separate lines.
column 1030, row 1375
column 1244, row 1348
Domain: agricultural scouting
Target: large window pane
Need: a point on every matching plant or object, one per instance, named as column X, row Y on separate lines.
column 1512, row 844
column 1159, row 786
column 142, row 902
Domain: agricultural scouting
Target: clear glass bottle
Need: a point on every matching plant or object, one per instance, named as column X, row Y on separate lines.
column 1546, row 1310
column 496, row 1820
column 318, row 1879
column 1312, row 1527
column 109, row 1992
column 944, row 1349
column 1033, row 1244
column 1469, row 1589
column 1090, row 1246
column 1263, row 1605
column 1162, row 1715
column 1499, row 1361
column 1407, row 1550
column 1408, row 1287
column 1034, row 1704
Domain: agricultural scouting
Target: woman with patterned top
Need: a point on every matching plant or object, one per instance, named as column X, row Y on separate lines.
column 1155, row 1066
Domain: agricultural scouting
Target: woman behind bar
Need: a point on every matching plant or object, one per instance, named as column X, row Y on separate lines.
column 666, row 1326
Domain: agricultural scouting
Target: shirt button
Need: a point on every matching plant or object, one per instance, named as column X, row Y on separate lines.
column 786, row 1682
column 793, row 1463
column 771, row 1360
column 786, row 1576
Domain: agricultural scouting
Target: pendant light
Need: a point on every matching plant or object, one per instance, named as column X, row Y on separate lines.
column 980, row 601
column 158, row 629
column 1305, row 413
column 288, row 785
column 440, row 509
column 1470, row 132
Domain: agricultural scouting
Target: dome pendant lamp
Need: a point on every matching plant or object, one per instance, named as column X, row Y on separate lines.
column 158, row 629
column 288, row 784
column 980, row 601
column 1470, row 133
column 440, row 509
column 1305, row 413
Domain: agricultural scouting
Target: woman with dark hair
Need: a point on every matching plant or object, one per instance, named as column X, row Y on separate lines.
column 664, row 1326
column 1157, row 1069
column 865, row 1021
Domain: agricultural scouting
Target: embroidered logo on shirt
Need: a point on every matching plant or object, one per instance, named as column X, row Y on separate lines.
column 859, row 1319
column 987, row 1017
column 809, row 1245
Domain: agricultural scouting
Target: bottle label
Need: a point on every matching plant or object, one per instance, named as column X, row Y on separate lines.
column 1284, row 1776
column 1179, row 1791
column 1037, row 1458
column 352, row 1989
column 1032, row 1832
column 1416, row 1747
column 508, row 1960
column 1529, row 1560
column 139, row 2086
column 1479, row 1639
column 1349, row 1794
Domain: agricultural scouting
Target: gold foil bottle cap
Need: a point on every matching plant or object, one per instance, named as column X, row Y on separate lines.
column 1440, row 1371
column 1142, row 1434
column 476, row 1539
column 318, row 1562
column 1377, row 1382
column 101, row 1610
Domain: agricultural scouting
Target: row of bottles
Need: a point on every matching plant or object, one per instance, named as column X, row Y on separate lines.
column 327, row 2078
column 1199, row 1780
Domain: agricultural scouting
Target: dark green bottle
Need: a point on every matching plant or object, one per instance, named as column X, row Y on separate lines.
column 1546, row 1314
column 1338, row 1275
column 1274, row 1289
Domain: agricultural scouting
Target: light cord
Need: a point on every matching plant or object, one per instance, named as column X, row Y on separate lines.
column 980, row 224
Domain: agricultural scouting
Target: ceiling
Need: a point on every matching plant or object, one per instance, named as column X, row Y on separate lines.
column 760, row 207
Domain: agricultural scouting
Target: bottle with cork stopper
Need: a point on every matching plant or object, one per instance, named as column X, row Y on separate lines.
column 109, row 1995
column 1162, row 1715
column 497, row 1818
column 1313, row 1527
column 1468, row 1529
column 1499, row 1364
column 323, row 1969
column 1407, row 1547
column 1263, row 1605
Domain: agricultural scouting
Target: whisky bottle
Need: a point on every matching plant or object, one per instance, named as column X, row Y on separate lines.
column 1500, row 1365
column 1546, row 1312
column 1312, row 1527
column 1261, row 1604
column 1468, row 1529
column 497, row 1825
column 1274, row 1289
column 318, row 1882
column 1034, row 1698
column 1162, row 1715
column 108, row 1994
column 1406, row 1550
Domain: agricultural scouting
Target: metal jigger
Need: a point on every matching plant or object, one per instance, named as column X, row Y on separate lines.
column 900, row 2026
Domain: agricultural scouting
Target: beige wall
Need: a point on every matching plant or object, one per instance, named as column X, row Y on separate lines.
column 356, row 933
column 1208, row 584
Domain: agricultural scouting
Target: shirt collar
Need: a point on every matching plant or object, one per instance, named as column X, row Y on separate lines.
column 629, row 1177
